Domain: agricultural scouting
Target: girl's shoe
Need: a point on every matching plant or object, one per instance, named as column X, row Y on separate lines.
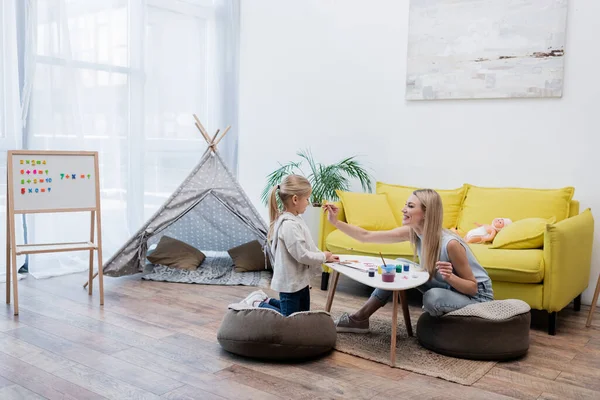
column 255, row 298
column 346, row 324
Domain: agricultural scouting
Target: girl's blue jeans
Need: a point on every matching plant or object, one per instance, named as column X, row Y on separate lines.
column 290, row 303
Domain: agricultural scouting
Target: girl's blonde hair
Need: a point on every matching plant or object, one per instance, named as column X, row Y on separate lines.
column 290, row 186
column 431, row 204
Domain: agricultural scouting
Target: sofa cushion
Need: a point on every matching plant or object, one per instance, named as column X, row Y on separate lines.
column 519, row 266
column 339, row 243
column 397, row 195
column 367, row 210
column 527, row 233
column 483, row 204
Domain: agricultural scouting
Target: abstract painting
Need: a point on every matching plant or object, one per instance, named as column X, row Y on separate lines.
column 474, row 49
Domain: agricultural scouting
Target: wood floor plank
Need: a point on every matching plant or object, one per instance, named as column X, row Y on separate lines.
column 95, row 326
column 41, row 382
column 174, row 369
column 33, row 355
column 104, row 315
column 18, row 392
column 277, row 386
column 197, row 358
column 513, row 390
column 8, row 321
column 566, row 390
column 103, row 384
column 91, row 340
column 5, row 382
column 111, row 366
column 190, row 393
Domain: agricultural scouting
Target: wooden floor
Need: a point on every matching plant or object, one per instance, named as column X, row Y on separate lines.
column 156, row 340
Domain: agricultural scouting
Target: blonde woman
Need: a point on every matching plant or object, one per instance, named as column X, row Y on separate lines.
column 296, row 255
column 456, row 277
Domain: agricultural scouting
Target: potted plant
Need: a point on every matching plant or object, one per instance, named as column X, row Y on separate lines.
column 324, row 179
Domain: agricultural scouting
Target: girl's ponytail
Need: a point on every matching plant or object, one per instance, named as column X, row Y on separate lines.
column 274, row 210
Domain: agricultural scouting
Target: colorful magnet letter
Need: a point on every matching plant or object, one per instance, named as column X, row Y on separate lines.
column 22, row 171
column 22, row 181
column 49, row 189
column 43, row 190
column 22, row 190
column 44, row 162
column 82, row 176
column 21, row 162
column 35, row 171
column 35, row 181
column 30, row 191
column 73, row 176
column 37, row 190
column 62, row 176
column 41, row 181
column 28, row 172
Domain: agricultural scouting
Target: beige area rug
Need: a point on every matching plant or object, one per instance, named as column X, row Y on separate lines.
column 410, row 355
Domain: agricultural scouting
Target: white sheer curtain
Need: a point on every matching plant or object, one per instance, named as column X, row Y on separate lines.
column 10, row 112
column 124, row 77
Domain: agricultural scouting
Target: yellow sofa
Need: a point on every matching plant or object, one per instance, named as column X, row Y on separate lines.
column 547, row 269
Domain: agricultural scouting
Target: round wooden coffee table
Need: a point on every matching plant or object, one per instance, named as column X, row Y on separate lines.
column 358, row 271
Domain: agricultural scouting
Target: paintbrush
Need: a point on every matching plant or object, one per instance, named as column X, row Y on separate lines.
column 382, row 259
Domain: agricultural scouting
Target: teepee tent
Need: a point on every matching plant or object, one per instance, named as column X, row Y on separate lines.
column 209, row 211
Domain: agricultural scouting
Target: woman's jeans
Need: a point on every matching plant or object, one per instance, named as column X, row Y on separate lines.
column 290, row 303
column 440, row 298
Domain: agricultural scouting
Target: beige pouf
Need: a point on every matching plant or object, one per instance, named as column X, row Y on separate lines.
column 494, row 330
column 264, row 333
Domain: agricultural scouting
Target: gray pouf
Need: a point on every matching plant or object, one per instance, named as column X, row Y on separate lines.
column 266, row 334
column 495, row 330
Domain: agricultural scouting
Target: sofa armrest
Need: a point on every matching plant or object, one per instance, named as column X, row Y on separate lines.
column 567, row 259
column 325, row 228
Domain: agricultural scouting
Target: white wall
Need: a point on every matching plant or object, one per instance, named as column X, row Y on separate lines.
column 330, row 74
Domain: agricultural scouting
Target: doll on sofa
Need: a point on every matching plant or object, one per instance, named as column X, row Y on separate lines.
column 486, row 233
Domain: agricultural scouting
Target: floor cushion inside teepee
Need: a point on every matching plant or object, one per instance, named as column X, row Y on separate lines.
column 265, row 334
column 495, row 330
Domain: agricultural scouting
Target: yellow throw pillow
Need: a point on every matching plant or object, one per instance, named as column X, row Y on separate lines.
column 483, row 204
column 451, row 201
column 369, row 211
column 527, row 233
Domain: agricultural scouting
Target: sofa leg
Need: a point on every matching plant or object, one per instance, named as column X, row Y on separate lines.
column 552, row 323
column 324, row 280
column 577, row 303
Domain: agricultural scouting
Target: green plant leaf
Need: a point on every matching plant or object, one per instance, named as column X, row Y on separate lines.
column 275, row 177
column 324, row 179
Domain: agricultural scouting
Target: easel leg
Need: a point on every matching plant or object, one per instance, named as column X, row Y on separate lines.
column 8, row 247
column 15, row 278
column 100, row 265
column 394, row 329
column 593, row 305
column 334, row 280
column 91, row 272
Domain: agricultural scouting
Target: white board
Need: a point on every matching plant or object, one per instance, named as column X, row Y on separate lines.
column 52, row 182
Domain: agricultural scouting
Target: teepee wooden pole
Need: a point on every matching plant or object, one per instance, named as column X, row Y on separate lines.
column 201, row 129
column 222, row 135
column 212, row 142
